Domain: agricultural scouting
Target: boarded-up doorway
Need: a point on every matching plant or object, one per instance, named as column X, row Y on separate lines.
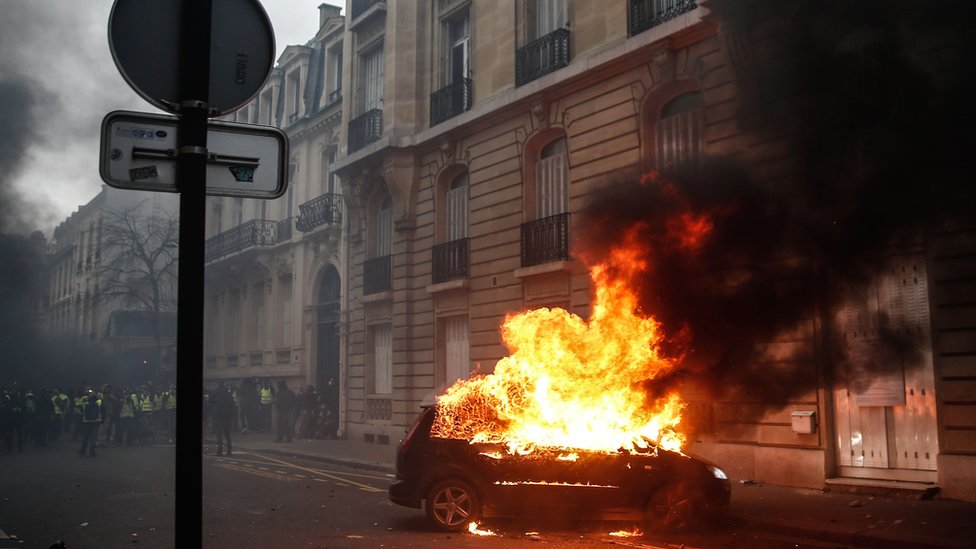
column 884, row 399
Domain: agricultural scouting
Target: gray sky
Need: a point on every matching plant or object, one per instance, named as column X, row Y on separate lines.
column 57, row 82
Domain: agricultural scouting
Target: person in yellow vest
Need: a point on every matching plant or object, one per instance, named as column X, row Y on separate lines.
column 78, row 401
column 91, row 418
column 146, row 404
column 60, row 402
column 169, row 412
column 127, row 418
column 267, row 400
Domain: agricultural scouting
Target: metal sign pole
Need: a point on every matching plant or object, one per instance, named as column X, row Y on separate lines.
column 191, row 175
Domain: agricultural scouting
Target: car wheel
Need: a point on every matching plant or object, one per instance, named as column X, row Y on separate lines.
column 451, row 505
column 671, row 508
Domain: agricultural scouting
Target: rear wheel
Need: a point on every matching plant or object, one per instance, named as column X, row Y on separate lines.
column 671, row 508
column 451, row 505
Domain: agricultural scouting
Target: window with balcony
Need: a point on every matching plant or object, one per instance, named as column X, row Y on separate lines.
column 367, row 126
column 450, row 258
column 545, row 33
column 333, row 75
column 454, row 94
column 293, row 97
column 545, row 238
column 378, row 271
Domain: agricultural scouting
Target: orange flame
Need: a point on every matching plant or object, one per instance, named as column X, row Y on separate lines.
column 473, row 529
column 569, row 383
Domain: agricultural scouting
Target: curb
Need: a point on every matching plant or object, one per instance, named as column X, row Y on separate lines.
column 371, row 466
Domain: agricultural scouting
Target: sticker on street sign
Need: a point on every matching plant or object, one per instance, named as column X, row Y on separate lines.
column 139, row 150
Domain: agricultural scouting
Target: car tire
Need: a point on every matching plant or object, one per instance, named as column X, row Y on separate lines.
column 451, row 505
column 671, row 508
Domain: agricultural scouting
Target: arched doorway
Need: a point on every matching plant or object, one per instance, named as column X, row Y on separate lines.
column 327, row 361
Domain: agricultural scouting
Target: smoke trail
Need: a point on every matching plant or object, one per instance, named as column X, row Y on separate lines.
column 869, row 101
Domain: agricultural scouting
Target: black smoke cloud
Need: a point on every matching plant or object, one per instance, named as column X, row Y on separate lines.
column 869, row 99
column 20, row 100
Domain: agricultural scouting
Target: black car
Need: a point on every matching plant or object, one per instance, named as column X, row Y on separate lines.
column 458, row 482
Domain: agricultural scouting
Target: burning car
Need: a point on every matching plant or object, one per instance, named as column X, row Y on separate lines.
column 458, row 482
column 583, row 416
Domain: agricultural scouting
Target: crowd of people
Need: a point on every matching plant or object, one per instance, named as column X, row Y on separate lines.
column 97, row 416
column 261, row 406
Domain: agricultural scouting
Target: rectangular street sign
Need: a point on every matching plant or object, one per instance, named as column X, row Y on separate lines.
column 138, row 151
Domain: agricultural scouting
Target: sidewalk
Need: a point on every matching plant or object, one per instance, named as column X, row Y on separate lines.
column 842, row 519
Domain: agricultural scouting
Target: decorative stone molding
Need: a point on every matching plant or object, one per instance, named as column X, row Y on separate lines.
column 540, row 110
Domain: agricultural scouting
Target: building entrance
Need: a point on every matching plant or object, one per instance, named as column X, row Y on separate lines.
column 884, row 398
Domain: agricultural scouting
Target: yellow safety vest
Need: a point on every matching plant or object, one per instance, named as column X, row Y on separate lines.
column 266, row 396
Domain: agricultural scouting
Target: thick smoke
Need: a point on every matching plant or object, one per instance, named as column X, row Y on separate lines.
column 18, row 109
column 868, row 101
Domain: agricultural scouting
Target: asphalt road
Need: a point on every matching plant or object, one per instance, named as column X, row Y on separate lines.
column 124, row 498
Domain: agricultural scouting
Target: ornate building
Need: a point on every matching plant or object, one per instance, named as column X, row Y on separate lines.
column 445, row 154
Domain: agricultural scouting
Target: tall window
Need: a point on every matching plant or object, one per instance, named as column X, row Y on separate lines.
column 551, row 180
column 257, row 321
column 458, row 53
column 238, row 211
column 334, row 74
column 457, row 361
column 232, row 323
column 284, row 311
column 294, row 97
column 384, row 228
column 382, row 359
column 678, row 132
column 545, row 16
column 371, row 80
column 457, row 208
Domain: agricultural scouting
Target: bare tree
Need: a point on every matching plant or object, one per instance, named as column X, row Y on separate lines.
column 138, row 264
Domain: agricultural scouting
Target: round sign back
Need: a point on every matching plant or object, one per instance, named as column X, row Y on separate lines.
column 145, row 41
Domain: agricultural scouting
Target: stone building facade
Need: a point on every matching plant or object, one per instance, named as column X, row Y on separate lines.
column 84, row 299
column 466, row 139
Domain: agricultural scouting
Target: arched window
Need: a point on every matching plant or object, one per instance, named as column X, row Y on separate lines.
column 678, row 132
column 545, row 233
column 552, row 180
column 450, row 256
column 456, row 202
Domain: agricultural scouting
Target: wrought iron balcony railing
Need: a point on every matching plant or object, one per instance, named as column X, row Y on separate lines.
column 254, row 233
column 450, row 101
column 450, row 261
column 360, row 7
column 377, row 275
column 545, row 240
column 364, row 129
column 323, row 210
column 542, row 56
column 645, row 14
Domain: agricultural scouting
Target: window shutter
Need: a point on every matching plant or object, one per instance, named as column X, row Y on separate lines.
column 457, row 212
column 384, row 232
column 552, row 181
column 457, row 355
column 383, row 360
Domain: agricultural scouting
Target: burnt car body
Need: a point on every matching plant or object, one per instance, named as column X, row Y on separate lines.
column 457, row 482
